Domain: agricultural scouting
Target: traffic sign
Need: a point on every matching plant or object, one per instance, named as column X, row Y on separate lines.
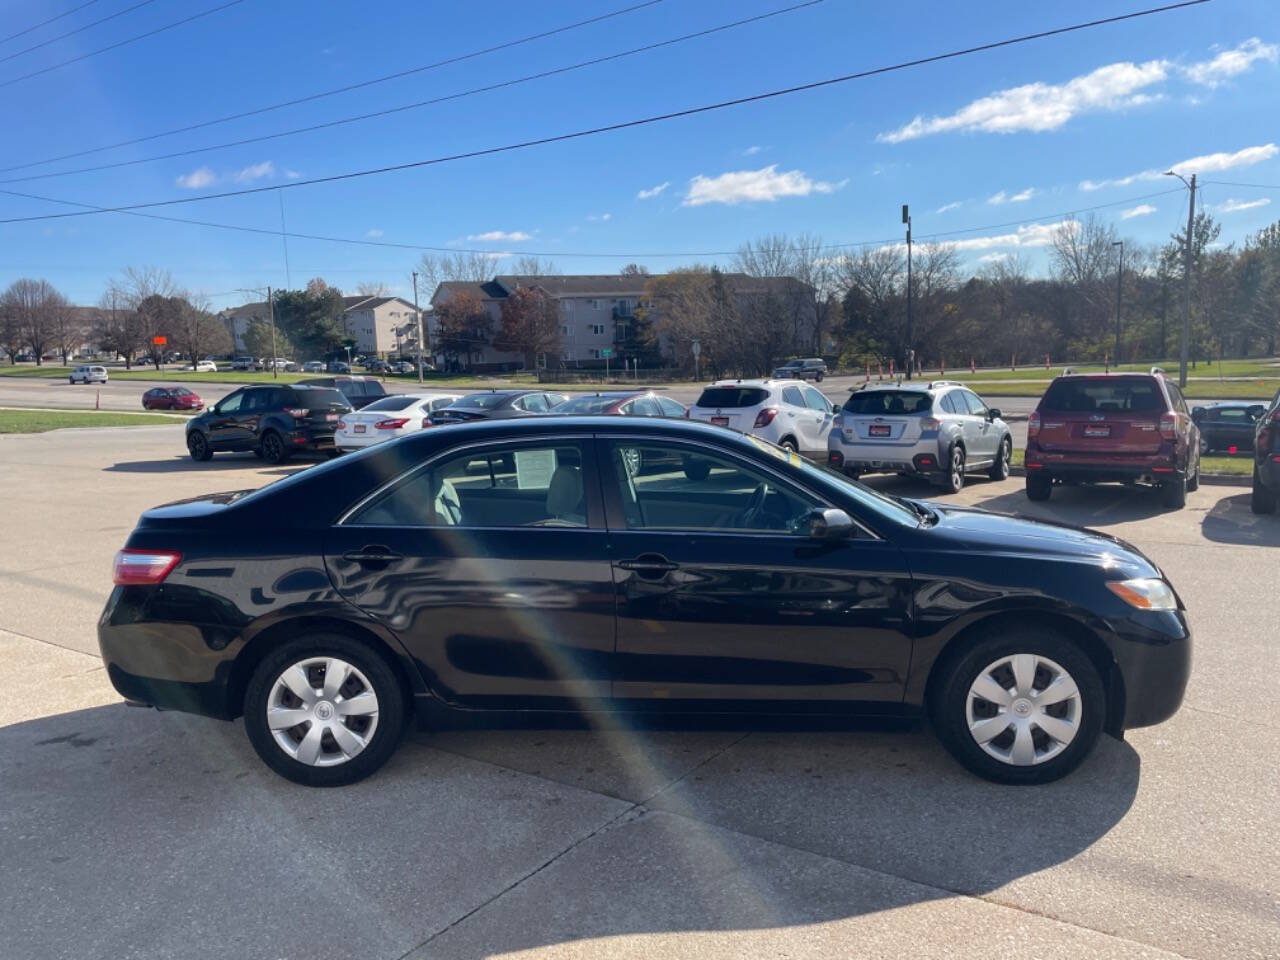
column 606, row 353
column 697, row 347
column 159, row 341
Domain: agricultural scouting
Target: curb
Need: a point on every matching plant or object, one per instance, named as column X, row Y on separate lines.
column 1212, row 479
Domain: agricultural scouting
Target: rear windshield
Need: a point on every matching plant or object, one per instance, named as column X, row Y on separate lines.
column 485, row 401
column 1117, row 395
column 896, row 402
column 732, row 397
column 317, row 398
column 392, row 403
column 586, row 404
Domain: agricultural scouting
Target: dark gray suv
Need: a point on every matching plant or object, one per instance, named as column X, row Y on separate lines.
column 810, row 368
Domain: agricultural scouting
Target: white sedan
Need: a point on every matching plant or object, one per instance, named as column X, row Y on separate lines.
column 393, row 416
column 205, row 366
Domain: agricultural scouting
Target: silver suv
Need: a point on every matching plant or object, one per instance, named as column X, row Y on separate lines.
column 939, row 430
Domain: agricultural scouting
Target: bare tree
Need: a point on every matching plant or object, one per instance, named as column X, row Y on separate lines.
column 373, row 288
column 68, row 327
column 435, row 269
column 10, row 328
column 534, row 267
column 195, row 329
column 634, row 270
column 32, row 305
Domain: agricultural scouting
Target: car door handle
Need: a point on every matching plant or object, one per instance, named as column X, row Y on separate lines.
column 374, row 555
column 649, row 565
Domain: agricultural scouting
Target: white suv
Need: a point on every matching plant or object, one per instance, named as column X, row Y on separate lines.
column 86, row 373
column 790, row 413
column 937, row 430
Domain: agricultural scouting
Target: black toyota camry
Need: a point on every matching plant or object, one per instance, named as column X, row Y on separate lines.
column 525, row 565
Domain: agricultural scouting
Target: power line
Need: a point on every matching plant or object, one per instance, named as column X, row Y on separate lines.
column 1253, row 186
column 120, row 43
column 337, row 90
column 72, row 33
column 435, row 248
column 608, row 128
column 421, row 103
column 45, row 23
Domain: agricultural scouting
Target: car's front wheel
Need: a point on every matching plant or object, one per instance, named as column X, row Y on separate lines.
column 324, row 710
column 1020, row 706
column 198, row 446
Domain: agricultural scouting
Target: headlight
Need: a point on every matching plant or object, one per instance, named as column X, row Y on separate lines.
column 1145, row 594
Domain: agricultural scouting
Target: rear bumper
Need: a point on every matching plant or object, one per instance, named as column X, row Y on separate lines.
column 920, row 458
column 1066, row 466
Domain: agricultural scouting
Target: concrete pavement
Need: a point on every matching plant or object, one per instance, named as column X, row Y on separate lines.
column 128, row 833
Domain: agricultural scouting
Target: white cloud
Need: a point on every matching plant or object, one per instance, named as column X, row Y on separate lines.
column 653, row 191
column 949, row 206
column 197, row 179
column 600, row 216
column 993, row 257
column 1234, row 206
column 752, row 151
column 753, row 186
column 1208, row 163
column 1044, row 106
column 1231, row 63
column 373, row 234
column 500, row 236
column 1141, row 210
column 256, row 172
column 292, row 174
column 1032, row 235
column 1021, row 197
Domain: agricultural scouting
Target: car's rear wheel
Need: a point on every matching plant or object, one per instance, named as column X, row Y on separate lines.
column 1039, row 487
column 1173, row 492
column 273, row 447
column 1263, row 498
column 1000, row 469
column 1020, row 706
column 818, row 378
column 324, row 710
column 198, row 446
column 788, row 444
column 1193, row 481
column 953, row 479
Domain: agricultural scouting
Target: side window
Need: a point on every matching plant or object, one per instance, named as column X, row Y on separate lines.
column 440, row 403
column 792, row 396
column 1178, row 402
column 669, row 488
column 948, row 403
column 515, row 485
column 816, row 400
column 231, row 404
column 554, row 398
column 372, row 388
column 669, row 407
column 976, row 407
column 533, row 402
column 646, row 407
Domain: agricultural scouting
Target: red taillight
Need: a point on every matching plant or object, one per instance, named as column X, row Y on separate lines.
column 1033, row 424
column 426, row 422
column 1169, row 426
column 391, row 424
column 930, row 423
column 147, row 567
column 765, row 416
column 298, row 412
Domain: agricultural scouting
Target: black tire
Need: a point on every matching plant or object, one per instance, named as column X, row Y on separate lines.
column 273, row 447
column 696, row 468
column 71, row 380
column 952, row 481
column 1039, row 487
column 385, row 686
column 1263, row 498
column 1173, row 493
column 818, row 378
column 257, row 452
column 950, row 701
column 1193, row 481
column 787, row 443
column 1000, row 469
column 198, row 447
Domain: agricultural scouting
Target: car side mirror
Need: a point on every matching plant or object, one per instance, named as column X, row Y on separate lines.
column 993, row 413
column 830, row 524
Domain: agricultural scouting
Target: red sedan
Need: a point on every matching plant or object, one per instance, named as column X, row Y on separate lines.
column 171, row 398
column 627, row 403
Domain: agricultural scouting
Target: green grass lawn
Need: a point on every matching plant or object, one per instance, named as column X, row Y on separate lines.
column 32, row 371
column 1262, row 390
column 1268, row 368
column 1239, row 466
column 38, row 421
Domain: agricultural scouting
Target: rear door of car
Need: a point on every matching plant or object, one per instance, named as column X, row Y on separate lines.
column 797, row 419
column 823, row 416
column 1102, row 416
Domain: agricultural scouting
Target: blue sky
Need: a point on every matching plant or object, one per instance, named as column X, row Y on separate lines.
column 1017, row 134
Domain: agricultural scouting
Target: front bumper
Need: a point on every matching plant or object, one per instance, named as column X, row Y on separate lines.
column 1153, row 653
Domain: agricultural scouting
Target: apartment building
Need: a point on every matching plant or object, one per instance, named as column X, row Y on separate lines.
column 379, row 325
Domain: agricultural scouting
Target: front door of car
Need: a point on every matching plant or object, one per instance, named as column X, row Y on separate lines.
column 490, row 564
column 223, row 423
column 724, row 601
column 981, row 438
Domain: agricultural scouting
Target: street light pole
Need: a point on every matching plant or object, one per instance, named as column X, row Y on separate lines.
column 1119, row 287
column 1186, row 279
column 417, row 315
column 906, row 218
column 271, row 311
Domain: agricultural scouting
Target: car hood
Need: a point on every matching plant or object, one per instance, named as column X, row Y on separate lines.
column 974, row 528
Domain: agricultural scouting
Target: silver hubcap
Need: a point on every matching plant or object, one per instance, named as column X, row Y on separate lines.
column 957, row 468
column 1023, row 709
column 322, row 711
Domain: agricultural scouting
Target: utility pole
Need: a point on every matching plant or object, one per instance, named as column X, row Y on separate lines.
column 907, row 360
column 271, row 312
column 1119, row 287
column 417, row 314
column 1186, row 279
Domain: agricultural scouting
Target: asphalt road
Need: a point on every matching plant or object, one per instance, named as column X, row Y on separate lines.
column 131, row 833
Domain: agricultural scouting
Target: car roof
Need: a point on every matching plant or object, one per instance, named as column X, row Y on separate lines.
column 920, row 386
column 503, row 393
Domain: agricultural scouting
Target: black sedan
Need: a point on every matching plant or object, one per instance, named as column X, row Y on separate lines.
column 496, row 405
column 1229, row 425
column 520, row 566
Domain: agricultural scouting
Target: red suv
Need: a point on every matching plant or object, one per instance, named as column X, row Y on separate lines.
column 1266, row 459
column 1095, row 428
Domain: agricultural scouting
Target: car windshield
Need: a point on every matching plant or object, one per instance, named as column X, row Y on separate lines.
column 1113, row 394
column 586, row 404
column 888, row 402
column 399, row 402
column 180, row 392
column 483, row 401
column 731, row 397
